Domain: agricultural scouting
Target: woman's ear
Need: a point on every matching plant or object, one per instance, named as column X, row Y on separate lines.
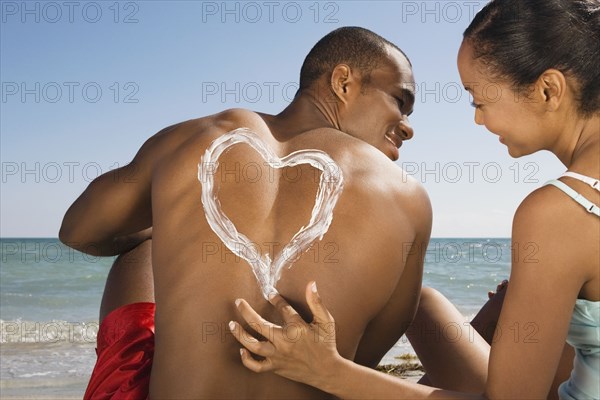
column 552, row 86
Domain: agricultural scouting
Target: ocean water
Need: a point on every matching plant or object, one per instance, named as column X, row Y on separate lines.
column 50, row 296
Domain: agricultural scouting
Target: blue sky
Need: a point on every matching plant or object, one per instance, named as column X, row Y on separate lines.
column 85, row 83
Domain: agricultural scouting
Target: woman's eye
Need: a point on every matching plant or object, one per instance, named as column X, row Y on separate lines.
column 475, row 105
column 400, row 102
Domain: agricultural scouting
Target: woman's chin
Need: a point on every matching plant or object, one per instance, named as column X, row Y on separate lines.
column 516, row 152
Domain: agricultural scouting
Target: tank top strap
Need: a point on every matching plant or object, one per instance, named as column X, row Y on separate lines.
column 588, row 205
column 594, row 183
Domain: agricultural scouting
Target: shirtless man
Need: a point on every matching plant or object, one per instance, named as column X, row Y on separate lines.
column 356, row 91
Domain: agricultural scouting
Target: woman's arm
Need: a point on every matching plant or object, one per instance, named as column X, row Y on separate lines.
column 527, row 346
column 548, row 250
column 348, row 380
column 307, row 353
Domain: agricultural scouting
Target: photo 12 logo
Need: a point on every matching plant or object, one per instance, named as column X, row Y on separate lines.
column 52, row 12
column 252, row 12
column 48, row 332
column 66, row 171
column 472, row 171
column 451, row 12
column 70, row 92
column 248, row 92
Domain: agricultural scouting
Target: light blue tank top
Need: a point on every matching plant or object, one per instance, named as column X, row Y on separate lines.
column 584, row 336
column 584, row 330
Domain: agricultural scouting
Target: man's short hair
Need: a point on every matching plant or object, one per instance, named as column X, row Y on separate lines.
column 359, row 48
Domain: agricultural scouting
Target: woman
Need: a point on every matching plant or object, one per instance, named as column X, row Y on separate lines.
column 544, row 56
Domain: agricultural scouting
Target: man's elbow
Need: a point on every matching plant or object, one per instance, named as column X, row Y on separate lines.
column 65, row 233
column 74, row 237
column 68, row 231
column 68, row 236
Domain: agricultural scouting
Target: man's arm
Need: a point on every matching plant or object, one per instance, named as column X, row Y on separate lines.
column 112, row 209
column 394, row 319
column 114, row 213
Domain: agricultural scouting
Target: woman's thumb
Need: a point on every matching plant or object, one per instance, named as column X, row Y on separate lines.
column 320, row 313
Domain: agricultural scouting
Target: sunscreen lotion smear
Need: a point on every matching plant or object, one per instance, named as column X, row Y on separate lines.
column 267, row 271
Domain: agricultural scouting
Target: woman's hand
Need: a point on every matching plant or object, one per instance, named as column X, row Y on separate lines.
column 297, row 350
column 500, row 288
column 307, row 353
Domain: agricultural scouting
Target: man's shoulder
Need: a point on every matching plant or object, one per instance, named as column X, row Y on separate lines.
column 404, row 194
column 377, row 184
column 233, row 118
column 370, row 172
column 202, row 128
column 383, row 175
column 219, row 123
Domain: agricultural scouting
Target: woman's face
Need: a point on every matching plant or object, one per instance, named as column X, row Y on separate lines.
column 517, row 119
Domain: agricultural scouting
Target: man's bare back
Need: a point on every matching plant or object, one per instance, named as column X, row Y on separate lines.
column 197, row 278
column 369, row 263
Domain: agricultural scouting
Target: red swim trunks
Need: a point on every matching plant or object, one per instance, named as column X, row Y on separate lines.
column 125, row 351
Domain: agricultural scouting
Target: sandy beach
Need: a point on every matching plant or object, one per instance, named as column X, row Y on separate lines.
column 408, row 367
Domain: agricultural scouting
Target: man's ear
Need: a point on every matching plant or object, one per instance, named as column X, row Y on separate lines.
column 344, row 83
column 551, row 87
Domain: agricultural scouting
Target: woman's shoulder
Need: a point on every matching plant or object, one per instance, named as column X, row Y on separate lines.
column 546, row 218
column 550, row 203
column 544, row 205
column 561, row 229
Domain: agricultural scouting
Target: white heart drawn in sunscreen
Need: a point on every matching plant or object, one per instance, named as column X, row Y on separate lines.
column 268, row 272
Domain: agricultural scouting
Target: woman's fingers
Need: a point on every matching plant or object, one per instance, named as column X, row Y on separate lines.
column 289, row 314
column 293, row 349
column 254, row 365
column 258, row 324
column 320, row 313
column 254, row 320
column 263, row 349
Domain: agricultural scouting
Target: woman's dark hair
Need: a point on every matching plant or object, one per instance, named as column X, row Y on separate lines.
column 518, row 40
column 358, row 47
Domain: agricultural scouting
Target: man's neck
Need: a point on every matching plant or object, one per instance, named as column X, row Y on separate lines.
column 306, row 112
